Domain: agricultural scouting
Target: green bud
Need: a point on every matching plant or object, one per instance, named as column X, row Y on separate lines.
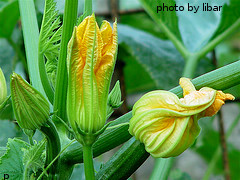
column 114, row 97
column 30, row 107
column 3, row 87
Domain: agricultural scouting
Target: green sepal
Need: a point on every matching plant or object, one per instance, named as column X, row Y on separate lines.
column 30, row 107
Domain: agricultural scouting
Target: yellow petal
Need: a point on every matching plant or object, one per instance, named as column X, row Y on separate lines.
column 218, row 102
column 186, row 85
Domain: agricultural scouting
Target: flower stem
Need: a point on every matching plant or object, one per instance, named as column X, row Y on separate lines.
column 69, row 20
column 53, row 146
column 88, row 162
column 190, row 66
column 88, row 7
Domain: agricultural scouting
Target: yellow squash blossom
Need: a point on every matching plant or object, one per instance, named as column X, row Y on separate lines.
column 168, row 125
column 91, row 59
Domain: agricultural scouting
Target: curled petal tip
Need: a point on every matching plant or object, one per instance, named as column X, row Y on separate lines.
column 186, row 85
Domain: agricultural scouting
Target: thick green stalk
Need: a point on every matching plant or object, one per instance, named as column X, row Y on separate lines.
column 162, row 169
column 53, row 146
column 69, row 20
column 88, row 162
column 88, row 7
column 190, row 66
column 31, row 35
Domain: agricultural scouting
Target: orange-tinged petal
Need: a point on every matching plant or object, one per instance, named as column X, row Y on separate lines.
column 217, row 104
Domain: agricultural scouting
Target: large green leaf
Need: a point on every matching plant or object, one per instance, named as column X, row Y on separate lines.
column 11, row 162
column 230, row 14
column 156, row 56
column 194, row 29
column 9, row 15
column 147, row 24
column 159, row 58
column 33, row 158
column 166, row 18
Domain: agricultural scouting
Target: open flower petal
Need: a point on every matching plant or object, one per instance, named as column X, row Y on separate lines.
column 168, row 125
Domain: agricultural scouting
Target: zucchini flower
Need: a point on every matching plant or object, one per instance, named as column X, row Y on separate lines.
column 91, row 59
column 3, row 88
column 30, row 107
column 168, row 125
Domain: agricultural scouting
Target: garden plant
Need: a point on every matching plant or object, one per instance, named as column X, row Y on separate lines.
column 67, row 77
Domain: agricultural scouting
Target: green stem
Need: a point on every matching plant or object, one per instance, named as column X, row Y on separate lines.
column 53, row 146
column 69, row 20
column 30, row 139
column 44, row 78
column 31, row 35
column 162, row 168
column 212, row 44
column 49, row 165
column 25, row 175
column 88, row 7
column 88, row 162
column 190, row 66
column 19, row 53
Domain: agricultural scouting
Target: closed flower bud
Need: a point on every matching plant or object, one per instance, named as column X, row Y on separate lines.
column 31, row 109
column 91, row 59
column 3, row 88
column 168, row 125
column 114, row 97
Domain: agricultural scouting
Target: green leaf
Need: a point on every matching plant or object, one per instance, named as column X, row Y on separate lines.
column 49, row 39
column 230, row 14
column 167, row 19
column 9, row 15
column 33, row 158
column 192, row 25
column 11, row 162
column 147, row 24
column 31, row 36
column 156, row 56
column 188, row 27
